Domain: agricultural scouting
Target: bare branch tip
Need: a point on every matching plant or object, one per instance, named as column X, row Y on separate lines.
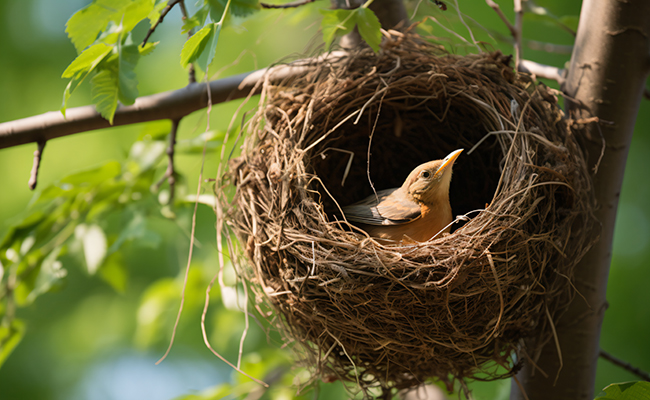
column 170, row 172
column 38, row 154
column 625, row 365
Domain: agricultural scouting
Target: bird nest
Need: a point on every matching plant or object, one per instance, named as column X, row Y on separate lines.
column 470, row 304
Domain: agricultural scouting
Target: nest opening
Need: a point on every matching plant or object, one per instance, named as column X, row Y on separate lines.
column 472, row 304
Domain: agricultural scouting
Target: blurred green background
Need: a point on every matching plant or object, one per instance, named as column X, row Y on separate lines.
column 87, row 340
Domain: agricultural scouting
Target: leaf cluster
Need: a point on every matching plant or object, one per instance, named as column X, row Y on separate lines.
column 109, row 51
column 342, row 21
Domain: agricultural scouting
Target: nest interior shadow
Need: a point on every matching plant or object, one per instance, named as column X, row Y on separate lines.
column 471, row 304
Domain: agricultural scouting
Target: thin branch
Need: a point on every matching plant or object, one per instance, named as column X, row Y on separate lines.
column 543, row 71
column 163, row 14
column 190, row 71
column 170, row 172
column 293, row 4
column 535, row 9
column 646, row 93
column 501, row 15
column 167, row 105
column 625, row 365
column 519, row 20
column 38, row 154
column 189, row 262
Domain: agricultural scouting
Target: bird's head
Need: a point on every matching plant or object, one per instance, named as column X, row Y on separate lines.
column 430, row 181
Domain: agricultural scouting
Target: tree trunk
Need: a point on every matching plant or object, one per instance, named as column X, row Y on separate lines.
column 609, row 66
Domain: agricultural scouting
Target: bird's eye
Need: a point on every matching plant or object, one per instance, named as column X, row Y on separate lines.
column 425, row 174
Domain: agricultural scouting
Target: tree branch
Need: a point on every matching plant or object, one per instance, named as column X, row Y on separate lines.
column 168, row 105
column 170, row 172
column 503, row 17
column 543, row 71
column 606, row 80
column 625, row 365
column 191, row 73
column 519, row 22
column 163, row 14
column 38, row 155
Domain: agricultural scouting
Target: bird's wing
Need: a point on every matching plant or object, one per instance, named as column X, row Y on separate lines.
column 391, row 209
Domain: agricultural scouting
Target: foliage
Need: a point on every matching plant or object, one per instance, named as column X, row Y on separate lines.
column 109, row 49
column 88, row 215
column 626, row 391
column 342, row 22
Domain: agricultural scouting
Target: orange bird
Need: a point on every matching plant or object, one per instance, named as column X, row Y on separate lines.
column 416, row 211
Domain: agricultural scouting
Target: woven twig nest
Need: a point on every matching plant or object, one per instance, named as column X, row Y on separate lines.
column 457, row 307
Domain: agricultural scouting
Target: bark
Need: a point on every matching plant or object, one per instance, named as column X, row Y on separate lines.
column 609, row 65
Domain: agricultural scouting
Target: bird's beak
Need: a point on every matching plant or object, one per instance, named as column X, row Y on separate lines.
column 447, row 163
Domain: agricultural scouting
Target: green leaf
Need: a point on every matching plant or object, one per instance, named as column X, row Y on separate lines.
column 244, row 8
column 87, row 60
column 114, row 272
column 136, row 229
column 216, row 9
column 369, row 27
column 85, row 25
column 50, row 274
column 206, row 57
column 128, row 81
column 196, row 20
column 154, row 14
column 105, row 92
column 79, row 69
column 116, row 81
column 94, row 176
column 10, row 336
column 72, row 85
column 627, row 391
column 148, row 48
column 135, row 12
column 195, row 45
column 336, row 22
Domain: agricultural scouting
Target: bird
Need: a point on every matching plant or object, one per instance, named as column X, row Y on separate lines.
column 414, row 212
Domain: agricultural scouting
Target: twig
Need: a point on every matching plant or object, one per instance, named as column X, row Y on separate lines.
column 501, row 15
column 169, row 174
column 646, row 93
column 163, row 14
column 189, row 262
column 625, row 365
column 519, row 20
column 167, row 105
column 190, row 71
column 293, row 4
column 38, row 154
column 543, row 71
